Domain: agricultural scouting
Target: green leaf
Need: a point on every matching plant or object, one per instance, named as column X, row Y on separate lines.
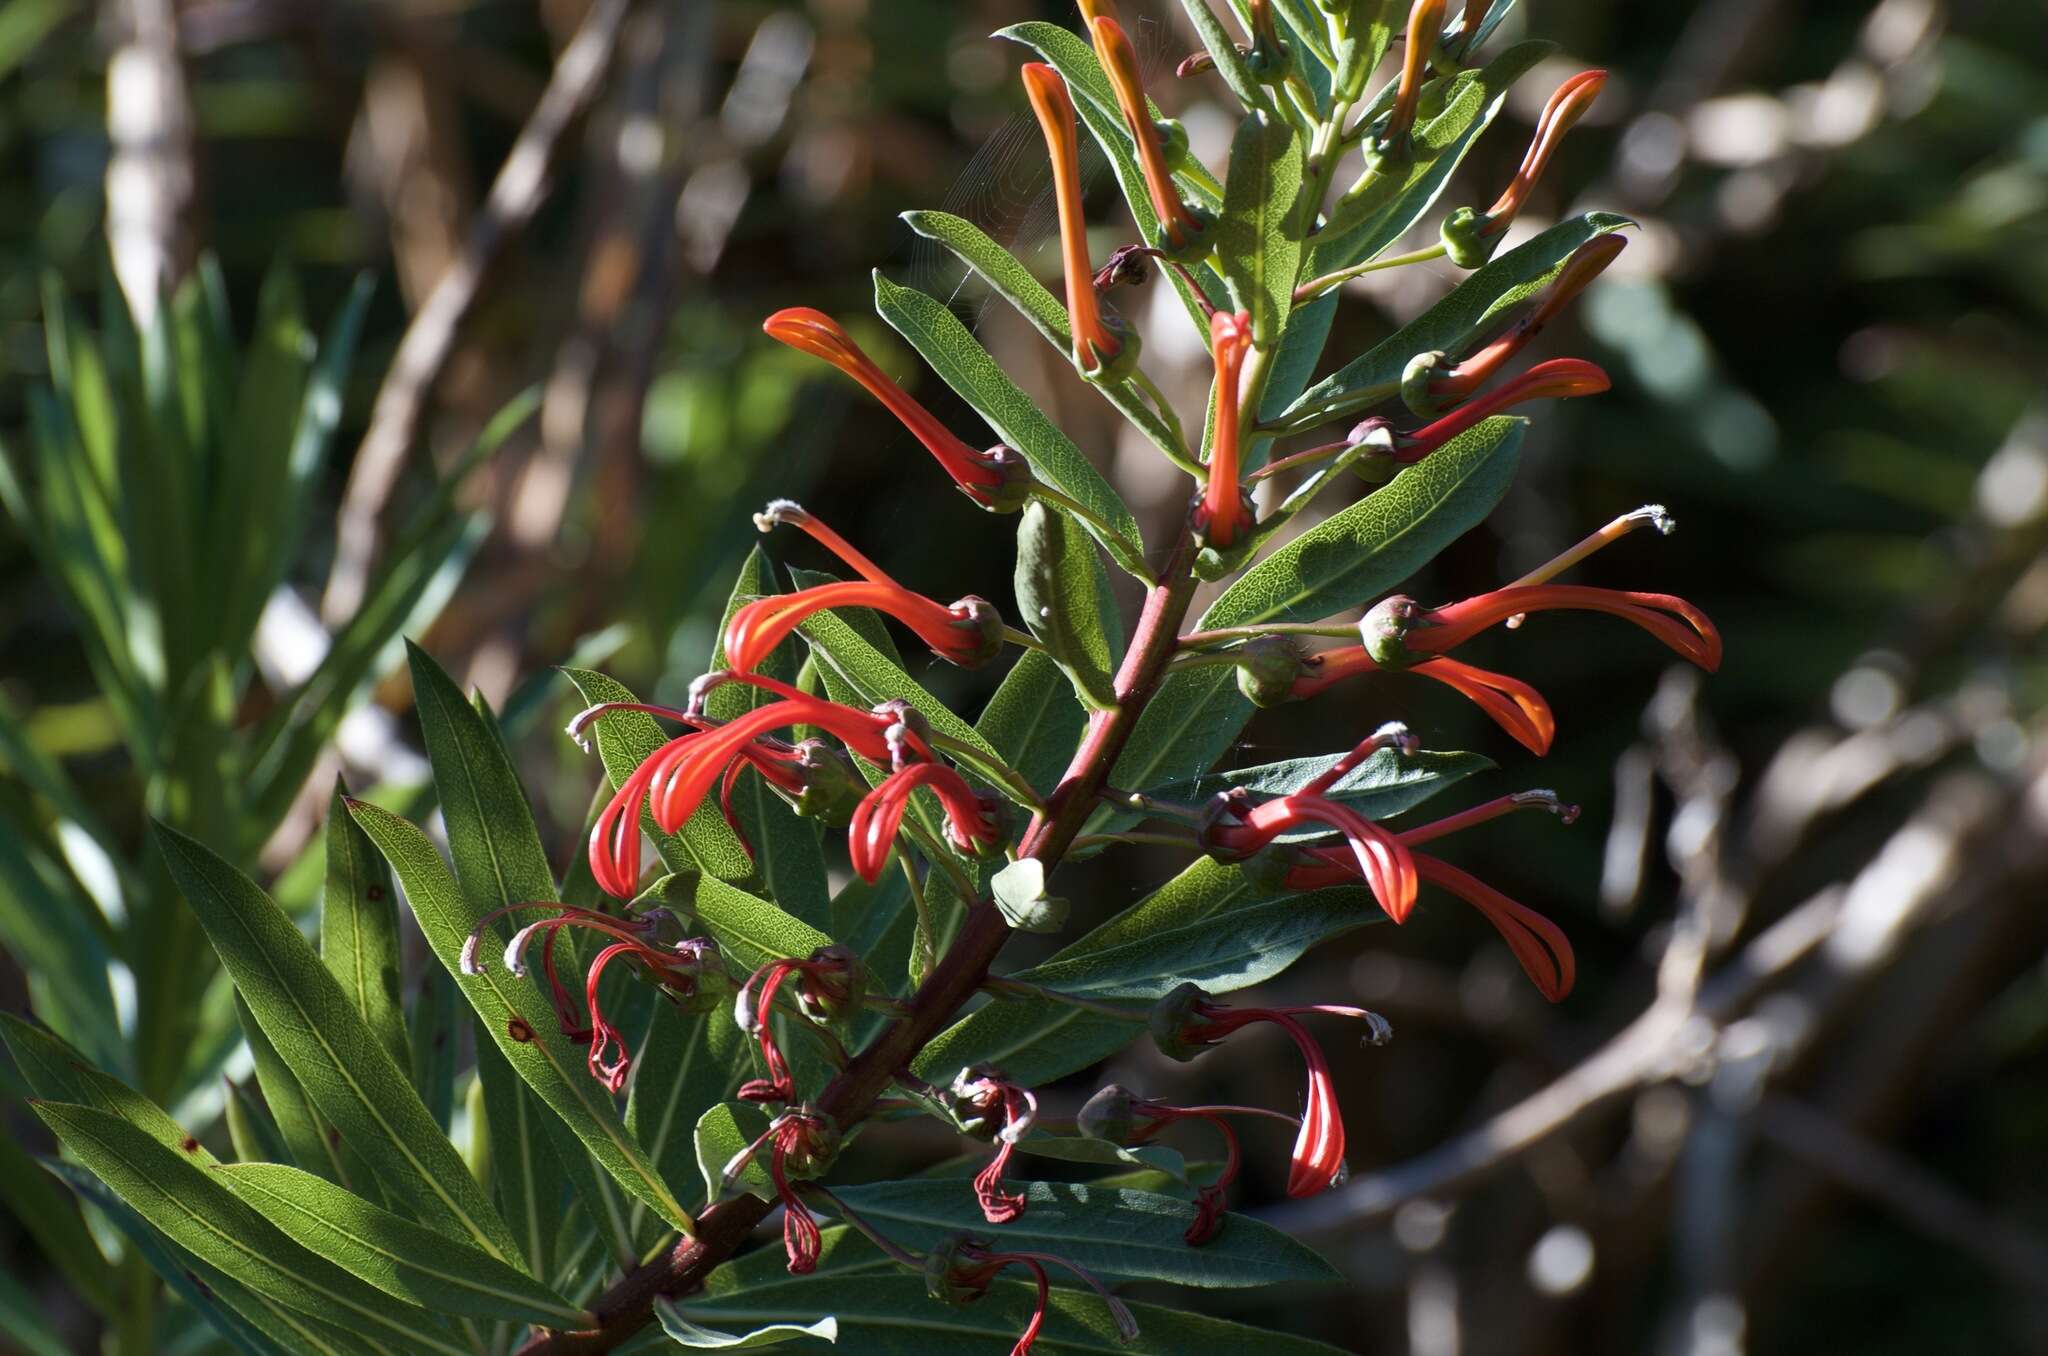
column 1258, row 236
column 1117, row 1235
column 722, row 1133
column 432, row 1026
column 1063, row 598
column 684, row 1333
column 1013, row 282
column 937, row 334
column 524, row 1175
column 199, row 1214
column 625, row 739
column 689, row 1063
column 788, row 859
column 51, row 1217
column 1033, row 721
column 518, row 1016
column 1352, row 556
column 750, row 931
column 1230, row 64
column 892, row 1315
column 1470, row 311
column 327, row 1045
column 309, row 1140
column 398, row 1257
column 359, row 930
column 1384, row 785
column 57, row 1073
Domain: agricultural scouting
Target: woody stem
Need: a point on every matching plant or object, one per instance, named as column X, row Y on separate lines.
column 628, row 1307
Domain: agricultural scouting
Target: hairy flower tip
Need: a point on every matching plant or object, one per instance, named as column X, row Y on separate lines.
column 1396, row 735
column 1654, row 515
column 1378, row 1030
column 778, row 512
column 469, row 963
column 1543, row 799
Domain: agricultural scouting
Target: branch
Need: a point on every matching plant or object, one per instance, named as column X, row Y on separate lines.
column 516, row 195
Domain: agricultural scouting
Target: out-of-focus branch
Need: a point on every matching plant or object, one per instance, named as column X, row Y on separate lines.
column 423, row 353
column 151, row 180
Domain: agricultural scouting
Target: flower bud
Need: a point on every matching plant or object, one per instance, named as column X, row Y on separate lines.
column 1108, row 1115
column 947, row 1279
column 1267, row 669
column 1415, row 379
column 831, row 788
column 1170, row 1018
column 1384, row 631
column 832, row 985
column 978, row 619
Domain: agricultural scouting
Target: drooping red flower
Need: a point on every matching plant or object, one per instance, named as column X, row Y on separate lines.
column 803, row 1141
column 683, row 968
column 1539, row 945
column 969, row 823
column 1225, row 512
column 1511, row 703
column 968, row 632
column 1115, row 1115
column 1557, row 379
column 1009, row 1110
column 1096, row 346
column 994, row 479
column 1120, row 63
column 1239, row 829
column 1187, row 1020
column 827, row 982
column 960, row 1270
column 1567, row 104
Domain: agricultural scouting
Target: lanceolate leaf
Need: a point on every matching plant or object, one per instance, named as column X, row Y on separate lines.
column 523, row 1175
column 1258, row 237
column 203, row 1217
column 937, row 334
column 359, row 930
column 749, row 930
column 690, row 1062
column 513, row 1009
column 1450, row 326
column 1117, row 1235
column 1063, row 597
column 1230, row 64
column 721, row 1133
column 58, row 1073
column 1381, row 787
column 1033, row 721
column 1351, row 557
column 684, row 1333
column 328, row 1046
column 395, row 1255
column 890, row 1314
column 313, row 1143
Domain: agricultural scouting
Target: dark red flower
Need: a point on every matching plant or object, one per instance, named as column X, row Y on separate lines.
column 1114, row 1114
column 987, row 1099
column 828, row 982
column 803, row 1142
column 960, row 1270
column 969, row 823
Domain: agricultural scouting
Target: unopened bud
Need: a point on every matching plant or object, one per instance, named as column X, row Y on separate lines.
column 1267, row 669
column 1108, row 1115
column 1384, row 631
column 1170, row 1019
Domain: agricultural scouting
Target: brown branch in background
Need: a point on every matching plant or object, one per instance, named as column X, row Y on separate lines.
column 423, row 353
column 152, row 181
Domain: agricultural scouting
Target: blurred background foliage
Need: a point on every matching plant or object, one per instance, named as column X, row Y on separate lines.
column 1827, row 340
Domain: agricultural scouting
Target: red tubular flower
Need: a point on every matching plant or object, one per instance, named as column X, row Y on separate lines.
column 1425, row 20
column 1539, row 945
column 684, row 969
column 1115, row 1115
column 1397, row 631
column 1568, row 103
column 1587, row 262
column 993, row 479
column 1560, row 378
column 1224, row 512
column 880, row 814
column 960, row 1270
column 1120, row 63
column 1095, row 346
column 968, row 633
column 1511, row 703
column 827, row 983
column 675, row 778
column 985, row 1095
column 803, row 1141
column 1187, row 1020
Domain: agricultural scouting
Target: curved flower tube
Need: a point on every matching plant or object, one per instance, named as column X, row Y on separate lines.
column 802, row 1140
column 1225, row 512
column 993, row 479
column 880, row 814
column 825, row 981
column 1587, row 262
column 1186, row 1020
column 1559, row 379
column 1095, row 346
column 1120, row 63
column 1383, row 862
column 1567, row 104
column 960, row 1270
column 1115, row 1115
column 1510, row 703
column 1397, row 631
column 1425, row 20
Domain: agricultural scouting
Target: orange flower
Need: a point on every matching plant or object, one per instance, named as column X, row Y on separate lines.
column 1425, row 21
column 1120, row 63
column 1224, row 513
column 1587, row 262
column 1095, row 347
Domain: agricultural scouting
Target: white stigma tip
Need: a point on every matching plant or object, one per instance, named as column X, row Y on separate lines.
column 777, row 512
column 468, row 964
column 743, row 1013
column 1658, row 517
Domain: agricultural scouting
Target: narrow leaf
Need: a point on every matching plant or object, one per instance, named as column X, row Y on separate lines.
column 684, row 1333
column 359, row 930
column 1258, row 237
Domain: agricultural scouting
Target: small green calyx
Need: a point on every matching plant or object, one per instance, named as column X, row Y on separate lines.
column 946, row 1278
column 1267, row 669
column 831, row 788
column 1170, row 1019
column 1422, row 369
column 1466, row 240
column 1121, row 359
column 814, row 1146
column 1384, row 632
column 1173, row 142
column 832, row 985
column 1108, row 1116
column 1015, row 491
column 981, row 628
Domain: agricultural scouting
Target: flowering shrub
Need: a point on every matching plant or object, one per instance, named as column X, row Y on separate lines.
column 570, row 1227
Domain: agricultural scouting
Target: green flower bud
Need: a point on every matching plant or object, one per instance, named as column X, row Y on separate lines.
column 1421, row 370
column 1266, row 670
column 1107, row 1115
column 1384, row 631
column 1465, row 238
column 1170, row 1018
